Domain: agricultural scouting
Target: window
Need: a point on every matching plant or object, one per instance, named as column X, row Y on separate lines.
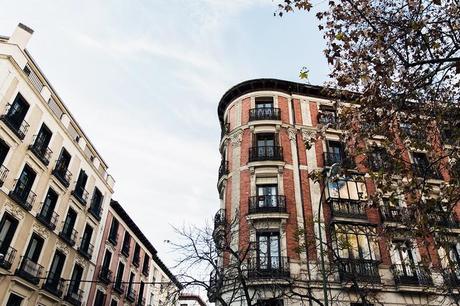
column 118, row 280
column 352, row 187
column 265, row 146
column 42, row 141
column 96, row 203
column 271, row 302
column 126, row 244
column 8, row 226
column 264, row 110
column 86, row 245
column 14, row 300
column 130, row 283
column 378, row 159
column 61, row 170
column 268, row 250
column 404, row 257
column 136, row 256
column 107, row 259
column 80, row 191
column 68, row 231
column 327, row 115
column 24, row 185
column 113, row 233
column 141, row 293
column 266, row 195
column 356, row 242
column 4, row 148
column 114, row 303
column 422, row 166
column 264, row 102
column 75, row 280
column 54, row 274
column 335, row 153
column 145, row 266
column 100, row 298
column 17, row 112
column 46, row 213
column 34, row 248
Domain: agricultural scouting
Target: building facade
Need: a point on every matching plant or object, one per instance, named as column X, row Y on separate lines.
column 55, row 189
column 129, row 271
column 269, row 149
column 190, row 300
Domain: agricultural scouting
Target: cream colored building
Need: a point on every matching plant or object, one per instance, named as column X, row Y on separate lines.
column 55, row 188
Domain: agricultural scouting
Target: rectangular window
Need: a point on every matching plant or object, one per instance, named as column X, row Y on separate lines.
column 4, row 148
column 69, row 223
column 75, row 281
column 114, row 303
column 80, row 185
column 24, row 184
column 335, row 153
column 107, row 259
column 47, row 211
column 17, row 111
column 100, row 298
column 141, row 293
column 268, row 250
column 43, row 139
column 34, row 248
column 136, row 256
column 14, row 300
column 63, row 161
column 351, row 187
column 126, row 244
column 96, row 202
column 54, row 274
column 113, row 233
column 264, row 102
column 8, row 226
column 356, row 242
column 145, row 266
column 121, row 268
column 86, row 245
column 267, row 195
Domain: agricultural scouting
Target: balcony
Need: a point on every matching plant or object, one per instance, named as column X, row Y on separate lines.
column 264, row 153
column 145, row 270
column 8, row 257
column 19, row 128
column 22, row 195
column 451, row 276
column 62, row 174
column 411, row 275
column 3, row 174
column 54, row 284
column 105, row 275
column 29, row 270
column 219, row 218
column 223, row 169
column 119, row 287
column 74, row 295
column 95, row 209
column 359, row 270
column 331, row 158
column 81, row 195
column 40, row 150
column 264, row 113
column 347, row 208
column 86, row 250
column 113, row 238
column 47, row 217
column 267, row 204
column 131, row 295
column 68, row 235
column 268, row 267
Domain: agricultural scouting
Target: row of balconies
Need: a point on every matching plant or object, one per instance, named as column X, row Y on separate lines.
column 125, row 249
column 105, row 276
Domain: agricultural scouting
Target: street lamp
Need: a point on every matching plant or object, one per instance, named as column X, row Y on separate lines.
column 333, row 170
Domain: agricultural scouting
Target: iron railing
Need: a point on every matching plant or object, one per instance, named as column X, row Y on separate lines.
column 8, row 257
column 54, row 284
column 264, row 113
column 29, row 270
column 411, row 274
column 22, row 195
column 68, row 234
column 41, row 150
column 80, row 194
column 145, row 270
column 113, row 238
column 361, row 270
column 3, row 174
column 261, row 153
column 267, row 204
column 74, row 295
column 268, row 267
column 19, row 128
column 62, row 174
column 47, row 216
column 136, row 260
column 131, row 294
column 105, row 275
column 347, row 208
column 125, row 248
column 119, row 287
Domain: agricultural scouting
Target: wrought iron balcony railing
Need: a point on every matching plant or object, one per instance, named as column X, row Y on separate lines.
column 54, row 284
column 331, row 158
column 267, row 204
column 131, row 294
column 105, row 275
column 29, row 270
column 47, row 216
column 3, row 174
column 219, row 218
column 41, row 150
column 347, row 208
column 451, row 276
column 272, row 267
column 19, row 128
column 68, row 234
column 125, row 249
column 119, row 287
column 86, row 249
column 74, row 295
column 411, row 274
column 62, row 174
column 8, row 257
column 113, row 238
column 223, row 168
column 264, row 113
column 80, row 194
column 360, row 270
column 22, row 195
column 443, row 219
column 261, row 153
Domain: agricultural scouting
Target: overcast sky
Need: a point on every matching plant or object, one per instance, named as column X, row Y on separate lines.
column 143, row 79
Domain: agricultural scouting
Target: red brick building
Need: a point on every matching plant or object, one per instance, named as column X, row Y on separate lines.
column 264, row 183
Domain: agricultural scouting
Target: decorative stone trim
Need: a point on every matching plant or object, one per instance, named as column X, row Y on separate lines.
column 236, row 138
column 62, row 247
column 41, row 230
column 15, row 211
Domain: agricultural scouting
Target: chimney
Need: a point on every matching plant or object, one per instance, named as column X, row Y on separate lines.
column 21, row 36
